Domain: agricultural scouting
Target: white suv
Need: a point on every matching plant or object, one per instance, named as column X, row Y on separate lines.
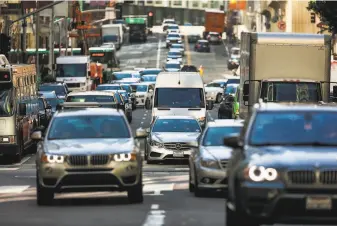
column 214, row 92
column 144, row 94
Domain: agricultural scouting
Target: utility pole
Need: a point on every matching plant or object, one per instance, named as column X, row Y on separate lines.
column 24, row 35
column 37, row 40
column 51, row 42
column 67, row 36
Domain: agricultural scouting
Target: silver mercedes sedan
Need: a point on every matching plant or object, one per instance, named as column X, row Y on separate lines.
column 170, row 138
column 208, row 164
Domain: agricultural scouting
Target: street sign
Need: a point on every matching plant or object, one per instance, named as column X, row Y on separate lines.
column 281, row 25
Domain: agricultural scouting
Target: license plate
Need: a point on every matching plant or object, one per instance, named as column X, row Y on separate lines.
column 318, row 203
column 178, row 154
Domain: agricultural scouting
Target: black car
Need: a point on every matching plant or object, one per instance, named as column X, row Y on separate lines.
column 283, row 167
column 226, row 108
column 202, row 46
column 131, row 93
column 45, row 112
column 189, row 68
column 60, row 89
column 125, row 106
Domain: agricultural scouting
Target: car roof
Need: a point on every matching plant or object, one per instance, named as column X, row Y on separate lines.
column 213, row 33
column 232, row 77
column 175, row 117
column 202, row 40
column 177, row 44
column 174, row 50
column 219, row 80
column 173, row 62
column 89, row 93
column 88, row 111
column 110, row 84
column 226, row 123
column 291, row 107
column 151, row 69
column 235, row 48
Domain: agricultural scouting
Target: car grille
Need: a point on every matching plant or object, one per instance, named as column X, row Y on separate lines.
column 312, row 177
column 78, row 160
column 173, row 146
column 224, row 163
column 99, row 159
column 83, row 160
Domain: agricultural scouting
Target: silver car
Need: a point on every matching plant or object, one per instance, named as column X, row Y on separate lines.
column 170, row 138
column 208, row 164
column 88, row 149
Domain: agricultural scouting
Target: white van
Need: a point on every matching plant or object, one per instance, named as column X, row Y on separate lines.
column 113, row 33
column 180, row 93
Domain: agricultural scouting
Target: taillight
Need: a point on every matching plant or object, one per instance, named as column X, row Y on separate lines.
column 208, row 36
column 198, row 45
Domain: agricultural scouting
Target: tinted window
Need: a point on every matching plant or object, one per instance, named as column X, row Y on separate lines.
column 53, row 102
column 173, row 27
column 236, row 52
column 233, row 81
column 119, row 76
column 71, row 70
column 176, row 125
column 172, row 66
column 174, row 54
column 179, row 98
column 126, row 88
column 214, row 135
column 90, row 98
column 41, row 104
column 189, row 69
column 151, row 72
column 110, row 38
column 230, row 89
column 173, row 36
column 149, row 78
column 141, row 88
column 59, row 90
column 85, row 127
column 108, row 87
column 282, row 128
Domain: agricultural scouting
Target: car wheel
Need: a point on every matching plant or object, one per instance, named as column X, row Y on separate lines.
column 190, row 185
column 44, row 196
column 130, row 118
column 218, row 98
column 235, row 219
column 146, row 155
column 147, row 104
column 135, row 193
column 134, row 106
column 197, row 191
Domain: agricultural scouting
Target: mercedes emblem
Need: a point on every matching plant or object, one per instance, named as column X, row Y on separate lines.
column 178, row 146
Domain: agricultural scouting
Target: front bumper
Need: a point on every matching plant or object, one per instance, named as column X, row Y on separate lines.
column 273, row 202
column 212, row 179
column 114, row 176
column 160, row 154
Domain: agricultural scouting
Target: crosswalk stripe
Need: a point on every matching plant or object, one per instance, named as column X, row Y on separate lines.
column 12, row 189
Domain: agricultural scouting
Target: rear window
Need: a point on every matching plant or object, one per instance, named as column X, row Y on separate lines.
column 90, row 98
column 203, row 43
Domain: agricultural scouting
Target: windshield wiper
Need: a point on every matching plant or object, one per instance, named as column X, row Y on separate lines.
column 316, row 143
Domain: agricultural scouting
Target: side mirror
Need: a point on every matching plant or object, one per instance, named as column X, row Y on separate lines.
column 245, row 98
column 334, row 91
column 49, row 106
column 245, row 89
column 209, row 105
column 22, row 109
column 37, row 135
column 141, row 133
column 232, row 142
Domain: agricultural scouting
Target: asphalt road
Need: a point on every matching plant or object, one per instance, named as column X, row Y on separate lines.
column 167, row 199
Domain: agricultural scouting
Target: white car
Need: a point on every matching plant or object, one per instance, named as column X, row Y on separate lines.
column 214, row 92
column 173, row 38
column 179, row 47
column 174, row 54
column 173, row 28
column 128, row 81
column 168, row 22
column 172, row 66
column 144, row 94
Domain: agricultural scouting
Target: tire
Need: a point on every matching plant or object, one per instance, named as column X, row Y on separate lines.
column 218, row 98
column 130, row 118
column 145, row 151
column 147, row 104
column 134, row 106
column 44, row 196
column 135, row 194
column 235, row 219
column 197, row 191
column 190, row 185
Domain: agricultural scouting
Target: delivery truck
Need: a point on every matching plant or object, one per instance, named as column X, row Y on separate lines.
column 284, row 67
column 214, row 21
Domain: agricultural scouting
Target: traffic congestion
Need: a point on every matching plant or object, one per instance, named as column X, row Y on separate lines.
column 171, row 125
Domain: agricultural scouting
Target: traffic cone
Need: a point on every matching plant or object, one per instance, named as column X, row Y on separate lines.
column 201, row 70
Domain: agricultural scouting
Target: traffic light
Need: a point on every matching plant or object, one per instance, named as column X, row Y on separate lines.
column 312, row 18
column 5, row 44
column 150, row 19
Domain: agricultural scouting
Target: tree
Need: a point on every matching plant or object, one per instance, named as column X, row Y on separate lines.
column 327, row 10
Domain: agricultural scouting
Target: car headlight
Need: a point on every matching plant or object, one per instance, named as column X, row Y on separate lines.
column 260, row 173
column 47, row 158
column 124, row 157
column 210, row 163
column 156, row 144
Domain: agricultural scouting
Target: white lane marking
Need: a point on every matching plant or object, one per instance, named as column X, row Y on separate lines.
column 154, row 206
column 155, row 217
column 12, row 189
column 8, row 169
column 145, row 114
column 144, row 118
column 158, row 54
column 141, row 122
column 146, row 111
column 25, row 176
column 158, row 187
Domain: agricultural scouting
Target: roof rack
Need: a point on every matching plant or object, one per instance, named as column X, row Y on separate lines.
column 74, row 105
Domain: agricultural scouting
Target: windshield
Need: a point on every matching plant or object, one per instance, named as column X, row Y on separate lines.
column 59, row 90
column 290, row 92
column 126, row 88
column 203, row 43
column 105, row 87
column 176, row 125
column 86, row 127
column 214, row 135
column 174, row 54
column 41, row 104
column 120, row 76
column 236, row 52
column 172, row 66
column 6, row 103
column 177, row 47
column 141, row 88
column 53, row 102
column 230, row 89
column 233, row 81
column 173, row 27
column 173, row 36
column 104, row 58
column 149, row 78
column 110, row 38
column 151, row 72
column 290, row 128
column 90, row 98
column 169, row 22
column 179, row 98
column 71, row 70
column 125, row 97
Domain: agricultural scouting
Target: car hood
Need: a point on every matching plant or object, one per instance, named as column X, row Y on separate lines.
column 216, row 152
column 175, row 137
column 289, row 156
column 211, row 89
column 85, row 146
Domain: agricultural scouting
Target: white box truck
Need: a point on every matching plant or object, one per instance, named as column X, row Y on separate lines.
column 113, row 33
column 284, row 67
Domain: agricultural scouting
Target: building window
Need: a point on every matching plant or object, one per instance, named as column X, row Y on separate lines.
column 149, row 2
column 205, row 5
column 159, row 2
column 214, row 4
column 195, row 4
column 177, row 3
